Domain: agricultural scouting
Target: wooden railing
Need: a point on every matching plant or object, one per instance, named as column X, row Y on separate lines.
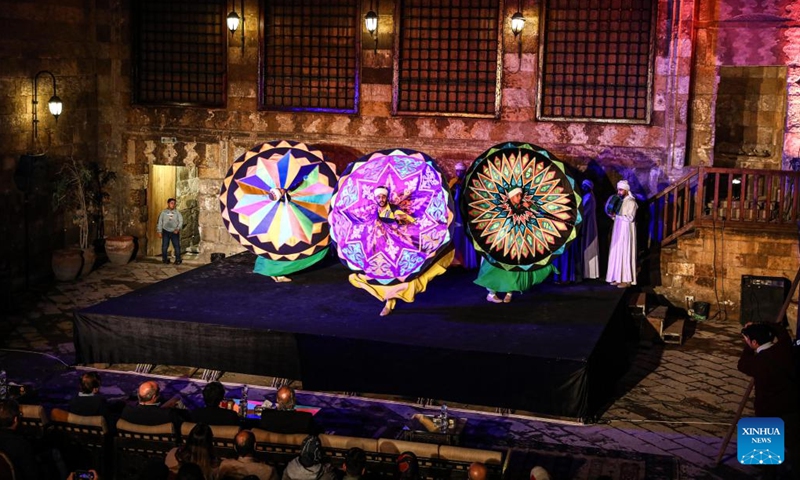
column 764, row 200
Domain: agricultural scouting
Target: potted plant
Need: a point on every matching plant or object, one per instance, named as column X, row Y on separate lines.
column 98, row 197
column 70, row 196
column 119, row 247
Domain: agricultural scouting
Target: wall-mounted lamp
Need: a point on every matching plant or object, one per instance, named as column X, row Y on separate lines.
column 371, row 22
column 233, row 20
column 517, row 24
column 54, row 104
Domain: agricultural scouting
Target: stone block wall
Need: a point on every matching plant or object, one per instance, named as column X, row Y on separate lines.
column 87, row 45
column 58, row 36
column 743, row 33
column 751, row 113
column 187, row 188
column 211, row 139
column 709, row 263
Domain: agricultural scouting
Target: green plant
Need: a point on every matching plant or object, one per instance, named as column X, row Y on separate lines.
column 79, row 191
column 99, row 195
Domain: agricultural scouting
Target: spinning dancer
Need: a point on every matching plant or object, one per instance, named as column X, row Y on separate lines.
column 275, row 202
column 500, row 280
column 391, row 219
column 521, row 211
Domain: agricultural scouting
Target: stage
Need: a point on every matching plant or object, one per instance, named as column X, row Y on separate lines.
column 556, row 350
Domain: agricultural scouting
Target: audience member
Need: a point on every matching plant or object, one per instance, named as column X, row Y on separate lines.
column 539, row 473
column 93, row 473
column 198, row 449
column 407, row 467
column 285, row 419
column 355, row 464
column 154, row 469
column 767, row 357
column 477, row 471
column 212, row 413
column 191, row 471
column 310, row 464
column 88, row 402
column 148, row 410
column 245, row 464
column 16, row 448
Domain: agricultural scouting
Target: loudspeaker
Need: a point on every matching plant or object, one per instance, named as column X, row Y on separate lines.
column 762, row 298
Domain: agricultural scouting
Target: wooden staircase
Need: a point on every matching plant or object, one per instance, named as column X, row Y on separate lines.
column 763, row 200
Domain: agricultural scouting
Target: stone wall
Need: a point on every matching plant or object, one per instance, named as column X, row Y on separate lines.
column 86, row 44
column 743, row 33
column 187, row 188
column 211, row 139
column 709, row 263
column 59, row 36
column 750, row 117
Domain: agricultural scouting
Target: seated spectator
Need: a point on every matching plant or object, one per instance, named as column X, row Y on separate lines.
column 88, row 402
column 407, row 467
column 154, row 469
column 16, row 448
column 94, row 474
column 477, row 471
column 355, row 464
column 539, row 473
column 148, row 410
column 286, row 419
column 191, row 471
column 198, row 449
column 245, row 464
column 310, row 464
column 212, row 413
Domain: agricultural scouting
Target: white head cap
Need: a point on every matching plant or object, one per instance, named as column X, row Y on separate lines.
column 274, row 193
column 624, row 185
column 460, row 166
column 381, row 191
column 514, row 191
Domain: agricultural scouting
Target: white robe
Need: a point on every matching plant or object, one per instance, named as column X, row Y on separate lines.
column 589, row 243
column 622, row 254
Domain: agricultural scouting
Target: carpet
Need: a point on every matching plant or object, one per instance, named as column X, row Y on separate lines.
column 355, row 416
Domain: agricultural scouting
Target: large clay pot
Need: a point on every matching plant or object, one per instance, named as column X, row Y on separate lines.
column 67, row 264
column 119, row 249
column 88, row 261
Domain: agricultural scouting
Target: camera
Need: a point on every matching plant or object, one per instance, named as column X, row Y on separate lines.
column 83, row 475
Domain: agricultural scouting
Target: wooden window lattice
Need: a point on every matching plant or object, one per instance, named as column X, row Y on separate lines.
column 180, row 52
column 446, row 60
column 310, row 55
column 596, row 60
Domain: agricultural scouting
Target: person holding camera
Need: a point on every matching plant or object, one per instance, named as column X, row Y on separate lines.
column 768, row 358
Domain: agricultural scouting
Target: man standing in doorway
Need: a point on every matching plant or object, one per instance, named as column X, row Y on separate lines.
column 170, row 222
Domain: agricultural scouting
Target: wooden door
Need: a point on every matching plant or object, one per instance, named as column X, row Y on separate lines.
column 161, row 187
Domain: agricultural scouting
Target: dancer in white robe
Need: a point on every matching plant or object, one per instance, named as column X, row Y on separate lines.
column 622, row 254
column 589, row 244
